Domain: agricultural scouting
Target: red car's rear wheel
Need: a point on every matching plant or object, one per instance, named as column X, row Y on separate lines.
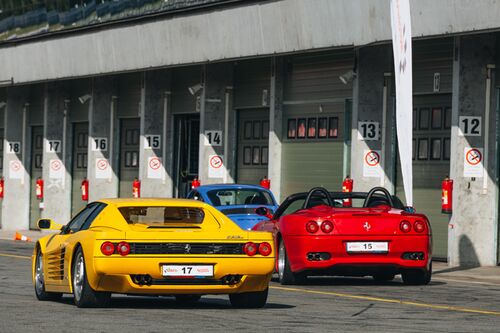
column 417, row 276
column 285, row 274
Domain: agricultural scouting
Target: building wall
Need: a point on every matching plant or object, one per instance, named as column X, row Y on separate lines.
column 245, row 30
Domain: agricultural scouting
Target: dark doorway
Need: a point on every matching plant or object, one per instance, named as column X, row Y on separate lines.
column 186, row 152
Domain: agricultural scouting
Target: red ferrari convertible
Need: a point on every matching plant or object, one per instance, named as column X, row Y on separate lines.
column 349, row 234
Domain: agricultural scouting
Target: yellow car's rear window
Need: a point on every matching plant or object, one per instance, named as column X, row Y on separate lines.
column 162, row 216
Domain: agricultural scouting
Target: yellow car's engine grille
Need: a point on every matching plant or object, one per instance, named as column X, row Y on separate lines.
column 186, row 248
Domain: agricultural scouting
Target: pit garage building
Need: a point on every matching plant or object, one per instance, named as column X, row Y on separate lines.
column 299, row 91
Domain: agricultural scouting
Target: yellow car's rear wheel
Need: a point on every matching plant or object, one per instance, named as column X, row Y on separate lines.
column 250, row 300
column 84, row 295
column 40, row 292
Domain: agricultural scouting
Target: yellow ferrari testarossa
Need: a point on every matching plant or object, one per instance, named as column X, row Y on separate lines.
column 183, row 248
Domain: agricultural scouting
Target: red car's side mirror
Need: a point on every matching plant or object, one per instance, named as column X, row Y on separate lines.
column 264, row 211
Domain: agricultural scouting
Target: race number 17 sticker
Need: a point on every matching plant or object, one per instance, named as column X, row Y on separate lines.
column 473, row 162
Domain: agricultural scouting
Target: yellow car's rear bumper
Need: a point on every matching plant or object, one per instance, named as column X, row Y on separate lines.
column 115, row 274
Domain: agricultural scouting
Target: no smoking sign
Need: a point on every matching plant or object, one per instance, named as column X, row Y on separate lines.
column 371, row 163
column 216, row 166
column 56, row 169
column 473, row 162
column 154, row 168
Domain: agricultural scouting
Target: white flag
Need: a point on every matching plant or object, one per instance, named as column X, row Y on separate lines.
column 401, row 45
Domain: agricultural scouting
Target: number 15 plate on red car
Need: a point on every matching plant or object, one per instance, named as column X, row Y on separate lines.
column 188, row 270
column 367, row 247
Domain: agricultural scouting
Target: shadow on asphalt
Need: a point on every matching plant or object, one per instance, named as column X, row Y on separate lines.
column 355, row 281
column 144, row 302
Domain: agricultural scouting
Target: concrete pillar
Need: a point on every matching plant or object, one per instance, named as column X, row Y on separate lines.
column 276, row 125
column 57, row 154
column 374, row 63
column 216, row 116
column 16, row 202
column 473, row 227
column 103, row 158
column 156, row 136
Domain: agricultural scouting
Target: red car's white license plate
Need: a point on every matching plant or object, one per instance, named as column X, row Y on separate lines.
column 367, row 247
column 188, row 270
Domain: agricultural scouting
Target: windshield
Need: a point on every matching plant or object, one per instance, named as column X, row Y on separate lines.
column 162, row 216
column 239, row 197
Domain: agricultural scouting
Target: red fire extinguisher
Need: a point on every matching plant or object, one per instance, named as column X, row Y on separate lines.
column 195, row 183
column 136, row 188
column 446, row 196
column 85, row 189
column 265, row 182
column 1, row 187
column 39, row 188
column 347, row 186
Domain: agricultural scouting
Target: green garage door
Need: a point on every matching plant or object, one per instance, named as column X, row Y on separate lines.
column 129, row 155
column 80, row 147
column 315, row 104
column 36, row 172
column 431, row 164
column 253, row 145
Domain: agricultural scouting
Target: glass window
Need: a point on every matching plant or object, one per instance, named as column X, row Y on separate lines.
column 446, row 149
column 311, row 127
column 265, row 129
column 437, row 115
column 92, row 216
column 229, row 197
column 256, row 129
column 322, row 127
column 414, row 149
column 292, row 128
column 423, row 149
column 447, row 118
column 247, row 155
column 247, row 132
column 256, row 155
column 301, row 128
column 333, row 127
column 423, row 121
column 435, row 149
column 264, row 155
column 414, row 118
column 39, row 141
column 77, row 222
column 161, row 216
column 38, row 161
column 83, row 140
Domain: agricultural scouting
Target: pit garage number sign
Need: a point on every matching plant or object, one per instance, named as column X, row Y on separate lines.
column 469, row 126
column 369, row 130
column 152, row 141
column 213, row 138
column 99, row 144
column 53, row 146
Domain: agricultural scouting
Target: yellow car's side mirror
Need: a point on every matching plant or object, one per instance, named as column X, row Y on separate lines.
column 49, row 224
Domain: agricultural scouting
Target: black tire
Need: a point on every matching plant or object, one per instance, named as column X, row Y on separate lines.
column 285, row 274
column 84, row 295
column 251, row 300
column 383, row 277
column 39, row 284
column 187, row 299
column 414, row 277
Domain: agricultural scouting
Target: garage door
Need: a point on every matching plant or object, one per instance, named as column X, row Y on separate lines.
column 129, row 155
column 431, row 163
column 36, row 172
column 79, row 172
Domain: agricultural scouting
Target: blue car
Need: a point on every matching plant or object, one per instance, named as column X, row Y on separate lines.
column 236, row 201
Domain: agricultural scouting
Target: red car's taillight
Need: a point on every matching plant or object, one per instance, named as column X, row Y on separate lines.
column 327, row 227
column 250, row 249
column 265, row 249
column 107, row 248
column 312, row 227
column 419, row 226
column 405, row 226
column 123, row 248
